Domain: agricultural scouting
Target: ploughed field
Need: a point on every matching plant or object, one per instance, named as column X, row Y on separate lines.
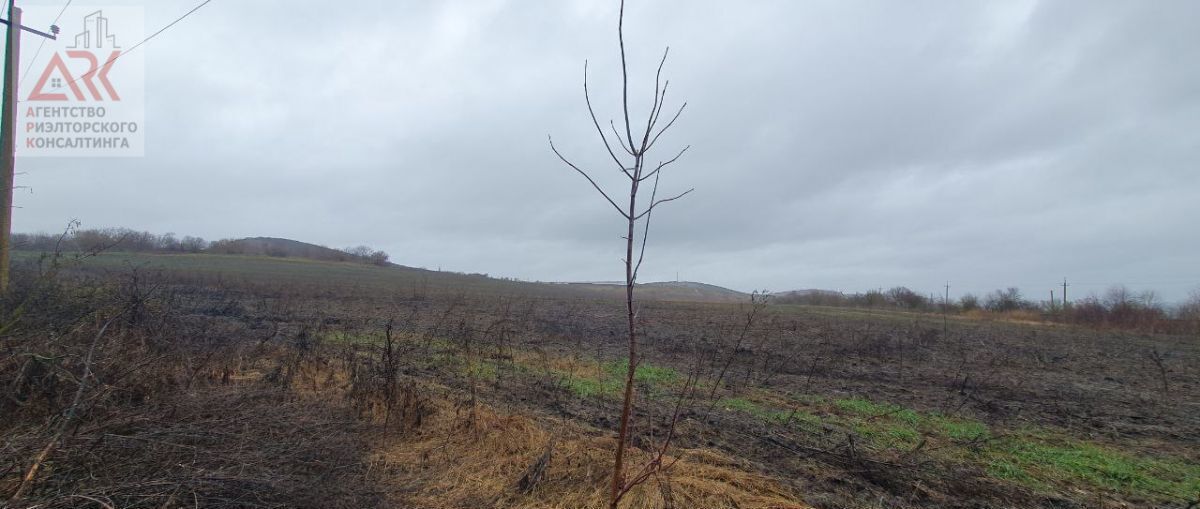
column 781, row 404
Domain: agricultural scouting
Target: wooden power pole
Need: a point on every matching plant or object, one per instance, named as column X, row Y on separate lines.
column 8, row 131
column 946, row 310
column 1065, row 293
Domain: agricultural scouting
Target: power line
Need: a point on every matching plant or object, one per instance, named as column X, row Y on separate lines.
column 138, row 45
column 42, row 45
column 61, row 12
column 161, row 30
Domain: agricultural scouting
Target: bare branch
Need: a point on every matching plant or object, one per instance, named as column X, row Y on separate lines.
column 646, row 232
column 587, row 96
column 68, row 416
column 668, row 126
column 660, row 202
column 656, row 465
column 618, row 135
column 665, row 164
column 589, row 178
column 662, row 101
column 657, row 97
column 624, row 76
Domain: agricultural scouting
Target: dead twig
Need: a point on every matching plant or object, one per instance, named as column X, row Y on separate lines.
column 69, row 416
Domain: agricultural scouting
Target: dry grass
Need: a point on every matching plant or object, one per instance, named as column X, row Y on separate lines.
column 454, row 462
column 1021, row 316
column 464, row 456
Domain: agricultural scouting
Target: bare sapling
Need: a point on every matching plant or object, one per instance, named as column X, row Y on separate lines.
column 758, row 302
column 633, row 161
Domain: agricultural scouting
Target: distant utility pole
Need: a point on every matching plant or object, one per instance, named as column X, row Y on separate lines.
column 946, row 310
column 1065, row 293
column 8, row 130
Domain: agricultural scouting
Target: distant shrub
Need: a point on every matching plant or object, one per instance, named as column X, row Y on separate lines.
column 969, row 302
column 378, row 258
column 1189, row 312
column 903, row 297
column 1120, row 308
column 1007, row 300
column 367, row 254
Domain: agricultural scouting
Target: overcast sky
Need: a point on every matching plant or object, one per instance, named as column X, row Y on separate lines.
column 836, row 144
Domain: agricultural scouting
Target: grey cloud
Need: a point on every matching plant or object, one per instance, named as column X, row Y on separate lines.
column 846, row 145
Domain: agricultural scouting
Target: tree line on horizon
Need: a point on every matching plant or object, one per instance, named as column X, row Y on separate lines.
column 132, row 241
column 1117, row 307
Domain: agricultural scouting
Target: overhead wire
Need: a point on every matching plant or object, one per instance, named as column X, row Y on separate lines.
column 110, row 61
column 41, row 45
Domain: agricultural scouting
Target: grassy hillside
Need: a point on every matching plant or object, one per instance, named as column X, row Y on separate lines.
column 306, row 271
column 283, row 248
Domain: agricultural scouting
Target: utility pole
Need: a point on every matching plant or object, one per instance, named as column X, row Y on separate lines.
column 946, row 310
column 1065, row 293
column 8, row 130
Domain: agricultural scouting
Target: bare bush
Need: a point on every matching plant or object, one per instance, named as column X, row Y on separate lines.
column 1009, row 299
column 969, row 302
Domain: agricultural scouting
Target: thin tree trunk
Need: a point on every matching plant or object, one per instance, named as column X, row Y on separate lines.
column 627, row 405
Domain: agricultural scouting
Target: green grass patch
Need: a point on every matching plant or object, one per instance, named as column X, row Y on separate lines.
column 910, row 417
column 961, row 429
column 483, row 370
column 610, row 381
column 900, row 436
column 1009, row 471
column 894, row 426
column 645, row 373
column 591, row 387
column 885, row 425
column 1034, row 460
column 861, row 406
column 867, row 408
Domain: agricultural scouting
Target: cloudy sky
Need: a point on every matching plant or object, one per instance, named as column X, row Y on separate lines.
column 835, row 144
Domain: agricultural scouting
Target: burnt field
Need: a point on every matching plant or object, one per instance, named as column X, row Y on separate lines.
column 139, row 382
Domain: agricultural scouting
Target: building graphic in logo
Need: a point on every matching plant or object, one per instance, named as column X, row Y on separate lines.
column 86, row 98
column 95, row 32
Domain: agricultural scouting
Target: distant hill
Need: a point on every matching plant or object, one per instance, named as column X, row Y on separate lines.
column 128, row 240
column 278, row 258
column 674, row 290
column 279, row 270
column 287, row 248
column 702, row 291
